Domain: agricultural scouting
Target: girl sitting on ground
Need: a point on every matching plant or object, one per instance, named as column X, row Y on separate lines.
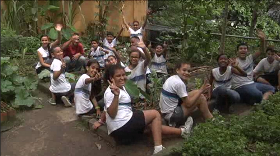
column 43, row 52
column 220, row 78
column 122, row 123
column 83, row 89
column 60, row 87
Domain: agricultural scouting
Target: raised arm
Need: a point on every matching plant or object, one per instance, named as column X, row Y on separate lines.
column 66, row 44
column 119, row 34
column 262, row 37
column 146, row 19
column 165, row 49
column 146, row 52
column 58, row 28
column 125, row 23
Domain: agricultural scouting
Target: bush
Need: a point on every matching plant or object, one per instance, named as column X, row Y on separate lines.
column 16, row 89
column 255, row 134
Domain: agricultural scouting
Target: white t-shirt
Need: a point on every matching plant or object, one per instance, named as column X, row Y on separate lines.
column 138, row 75
column 45, row 54
column 110, row 45
column 98, row 55
column 124, row 113
column 60, row 85
column 173, row 89
column 158, row 64
column 136, row 33
column 222, row 79
column 266, row 67
column 247, row 65
column 82, row 95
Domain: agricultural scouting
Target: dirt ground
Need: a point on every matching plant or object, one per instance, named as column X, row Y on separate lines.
column 56, row 131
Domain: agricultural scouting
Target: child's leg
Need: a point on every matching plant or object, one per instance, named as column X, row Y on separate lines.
column 153, row 118
column 101, row 121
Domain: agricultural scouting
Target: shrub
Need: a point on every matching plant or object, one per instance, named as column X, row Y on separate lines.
column 255, row 134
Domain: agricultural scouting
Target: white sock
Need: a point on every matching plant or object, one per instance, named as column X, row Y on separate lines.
column 182, row 130
column 158, row 149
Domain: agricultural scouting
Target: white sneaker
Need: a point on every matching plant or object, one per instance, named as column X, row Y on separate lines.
column 186, row 129
column 52, row 102
column 66, row 102
column 156, row 150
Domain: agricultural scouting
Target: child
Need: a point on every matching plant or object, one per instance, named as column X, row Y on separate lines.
column 158, row 63
column 137, row 68
column 249, row 91
column 123, row 124
column 83, row 90
column 136, row 30
column 221, row 79
column 270, row 67
column 44, row 55
column 98, row 53
column 176, row 103
column 110, row 41
column 60, row 87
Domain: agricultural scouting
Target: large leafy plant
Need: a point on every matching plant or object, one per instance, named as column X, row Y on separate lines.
column 15, row 89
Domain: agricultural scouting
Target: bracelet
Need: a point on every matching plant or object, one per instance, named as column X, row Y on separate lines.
column 101, row 122
column 97, row 107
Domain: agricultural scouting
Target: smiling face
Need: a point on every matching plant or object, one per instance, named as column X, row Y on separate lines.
column 45, row 41
column 94, row 44
column 270, row 55
column 93, row 69
column 110, row 38
column 112, row 60
column 184, row 71
column 242, row 51
column 223, row 61
column 134, row 41
column 134, row 58
column 119, row 77
column 58, row 53
column 135, row 25
column 159, row 49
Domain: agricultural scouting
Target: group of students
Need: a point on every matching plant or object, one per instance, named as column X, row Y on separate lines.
column 232, row 81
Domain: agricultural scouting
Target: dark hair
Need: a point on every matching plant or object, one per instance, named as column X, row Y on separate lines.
column 112, row 56
column 134, row 49
column 270, row 48
column 220, row 56
column 136, row 37
column 94, row 40
column 110, row 71
column 91, row 61
column 179, row 64
column 159, row 45
column 241, row 44
column 53, row 48
column 136, row 22
column 75, row 34
column 110, row 33
column 48, row 46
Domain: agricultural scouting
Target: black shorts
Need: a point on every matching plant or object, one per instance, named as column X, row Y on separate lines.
column 69, row 94
column 272, row 78
column 133, row 129
column 177, row 118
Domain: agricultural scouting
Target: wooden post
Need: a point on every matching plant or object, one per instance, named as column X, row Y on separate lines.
column 224, row 26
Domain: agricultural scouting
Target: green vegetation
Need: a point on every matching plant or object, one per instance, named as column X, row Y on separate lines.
column 255, row 134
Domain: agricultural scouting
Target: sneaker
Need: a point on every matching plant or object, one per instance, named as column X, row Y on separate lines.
column 186, row 129
column 52, row 102
column 66, row 101
column 157, row 150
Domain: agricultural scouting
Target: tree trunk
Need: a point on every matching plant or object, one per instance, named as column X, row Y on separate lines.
column 254, row 19
column 224, row 26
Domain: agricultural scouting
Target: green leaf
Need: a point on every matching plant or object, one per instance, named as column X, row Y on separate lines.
column 38, row 106
column 71, row 77
column 6, row 86
column 53, row 8
column 30, row 83
column 47, row 26
column 190, row 21
column 8, row 70
column 72, row 28
column 44, row 73
column 20, row 101
column 18, row 79
column 66, row 33
column 53, row 34
column 132, row 89
column 5, row 60
column 147, row 97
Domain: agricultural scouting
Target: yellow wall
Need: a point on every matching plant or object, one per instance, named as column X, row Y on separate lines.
column 134, row 10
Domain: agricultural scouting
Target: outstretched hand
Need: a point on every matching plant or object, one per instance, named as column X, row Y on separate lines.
column 261, row 34
column 233, row 62
column 276, row 57
column 114, row 89
column 58, row 27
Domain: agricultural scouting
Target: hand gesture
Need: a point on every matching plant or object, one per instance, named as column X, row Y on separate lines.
column 150, row 45
column 97, row 76
column 114, row 89
column 260, row 34
column 233, row 62
column 276, row 57
column 205, row 87
column 63, row 65
column 58, row 27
